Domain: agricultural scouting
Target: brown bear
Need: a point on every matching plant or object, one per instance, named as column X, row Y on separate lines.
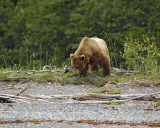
column 93, row 52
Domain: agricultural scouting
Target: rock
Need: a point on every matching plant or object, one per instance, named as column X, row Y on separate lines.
column 46, row 67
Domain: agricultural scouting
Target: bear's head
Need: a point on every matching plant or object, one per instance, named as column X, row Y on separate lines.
column 78, row 62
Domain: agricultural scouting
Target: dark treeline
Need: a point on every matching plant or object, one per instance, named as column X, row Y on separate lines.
column 39, row 32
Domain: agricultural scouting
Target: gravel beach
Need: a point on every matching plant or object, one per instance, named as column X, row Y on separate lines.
column 60, row 114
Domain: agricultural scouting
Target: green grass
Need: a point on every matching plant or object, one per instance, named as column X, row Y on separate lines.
column 93, row 91
column 43, row 77
column 65, row 78
column 115, row 92
column 117, row 103
column 99, row 81
column 158, row 102
column 82, row 80
column 68, row 74
column 40, row 76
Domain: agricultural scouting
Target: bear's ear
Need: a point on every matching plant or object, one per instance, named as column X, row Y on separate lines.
column 71, row 55
column 82, row 57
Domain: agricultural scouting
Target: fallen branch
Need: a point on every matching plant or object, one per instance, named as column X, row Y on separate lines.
column 34, row 71
column 22, row 90
column 13, row 79
column 29, row 71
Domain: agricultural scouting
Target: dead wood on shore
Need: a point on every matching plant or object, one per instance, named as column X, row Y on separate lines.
column 103, row 99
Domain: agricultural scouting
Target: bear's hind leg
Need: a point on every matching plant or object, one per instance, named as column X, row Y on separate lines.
column 94, row 67
column 105, row 63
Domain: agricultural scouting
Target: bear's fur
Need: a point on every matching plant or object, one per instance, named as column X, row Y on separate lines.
column 93, row 52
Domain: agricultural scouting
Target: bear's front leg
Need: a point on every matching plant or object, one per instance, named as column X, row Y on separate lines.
column 84, row 71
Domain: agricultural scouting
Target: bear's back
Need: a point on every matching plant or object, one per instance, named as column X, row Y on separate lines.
column 99, row 44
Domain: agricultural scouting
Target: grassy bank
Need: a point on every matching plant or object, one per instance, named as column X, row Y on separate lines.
column 59, row 76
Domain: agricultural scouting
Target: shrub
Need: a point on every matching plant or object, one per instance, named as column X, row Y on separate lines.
column 141, row 55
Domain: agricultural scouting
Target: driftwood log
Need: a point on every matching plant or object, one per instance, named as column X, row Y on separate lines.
column 5, row 100
column 74, row 98
column 126, row 72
